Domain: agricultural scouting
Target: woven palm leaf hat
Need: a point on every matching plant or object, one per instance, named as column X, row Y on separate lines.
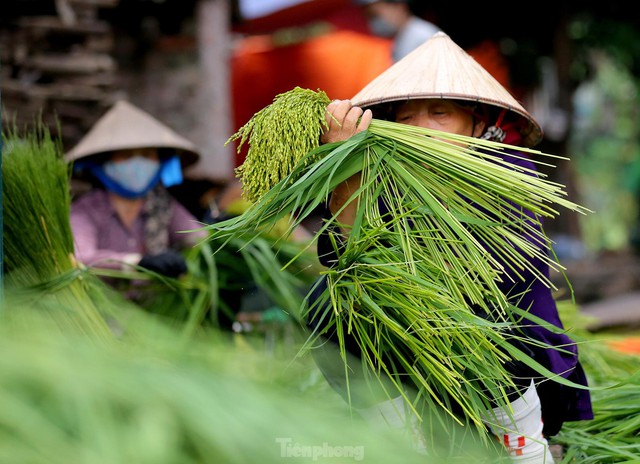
column 125, row 126
column 439, row 68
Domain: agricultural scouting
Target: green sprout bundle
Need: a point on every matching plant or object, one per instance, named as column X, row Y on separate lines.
column 39, row 256
column 213, row 291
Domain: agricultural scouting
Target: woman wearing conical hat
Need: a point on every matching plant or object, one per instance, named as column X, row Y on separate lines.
column 129, row 217
column 439, row 86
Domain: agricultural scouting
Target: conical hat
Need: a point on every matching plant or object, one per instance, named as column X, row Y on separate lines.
column 439, row 68
column 124, row 127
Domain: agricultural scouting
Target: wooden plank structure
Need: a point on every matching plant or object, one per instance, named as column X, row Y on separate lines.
column 67, row 61
column 59, row 68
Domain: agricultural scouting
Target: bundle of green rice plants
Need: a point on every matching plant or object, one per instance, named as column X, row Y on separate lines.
column 435, row 210
column 441, row 348
column 38, row 242
column 613, row 435
column 260, row 262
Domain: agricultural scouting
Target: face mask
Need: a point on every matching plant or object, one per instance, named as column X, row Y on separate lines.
column 381, row 27
column 136, row 175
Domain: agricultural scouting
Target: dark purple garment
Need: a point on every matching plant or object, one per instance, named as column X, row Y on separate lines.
column 532, row 293
column 560, row 403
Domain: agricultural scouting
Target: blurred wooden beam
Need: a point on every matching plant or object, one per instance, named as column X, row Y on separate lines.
column 214, row 101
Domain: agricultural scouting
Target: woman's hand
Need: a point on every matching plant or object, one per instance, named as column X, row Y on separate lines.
column 344, row 120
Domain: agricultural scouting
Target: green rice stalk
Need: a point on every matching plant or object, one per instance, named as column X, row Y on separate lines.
column 279, row 135
column 613, row 435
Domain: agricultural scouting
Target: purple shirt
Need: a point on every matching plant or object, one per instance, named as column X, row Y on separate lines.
column 529, row 292
column 101, row 239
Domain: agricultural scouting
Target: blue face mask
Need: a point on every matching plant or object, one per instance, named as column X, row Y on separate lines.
column 381, row 27
column 135, row 176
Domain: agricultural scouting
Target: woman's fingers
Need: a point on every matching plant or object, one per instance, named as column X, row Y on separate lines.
column 365, row 120
column 343, row 121
column 337, row 121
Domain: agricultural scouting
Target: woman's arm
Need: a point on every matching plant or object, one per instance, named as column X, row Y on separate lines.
column 85, row 237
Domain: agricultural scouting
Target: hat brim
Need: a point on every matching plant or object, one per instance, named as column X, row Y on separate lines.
column 126, row 127
column 439, row 68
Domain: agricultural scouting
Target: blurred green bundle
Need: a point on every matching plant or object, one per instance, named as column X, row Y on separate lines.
column 38, row 243
column 36, row 187
column 246, row 274
column 159, row 399
column 613, row 436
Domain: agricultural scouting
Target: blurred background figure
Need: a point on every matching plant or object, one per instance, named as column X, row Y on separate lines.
column 394, row 19
column 308, row 56
column 126, row 216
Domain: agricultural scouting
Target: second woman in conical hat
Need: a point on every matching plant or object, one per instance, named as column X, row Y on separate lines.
column 129, row 217
column 439, row 86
